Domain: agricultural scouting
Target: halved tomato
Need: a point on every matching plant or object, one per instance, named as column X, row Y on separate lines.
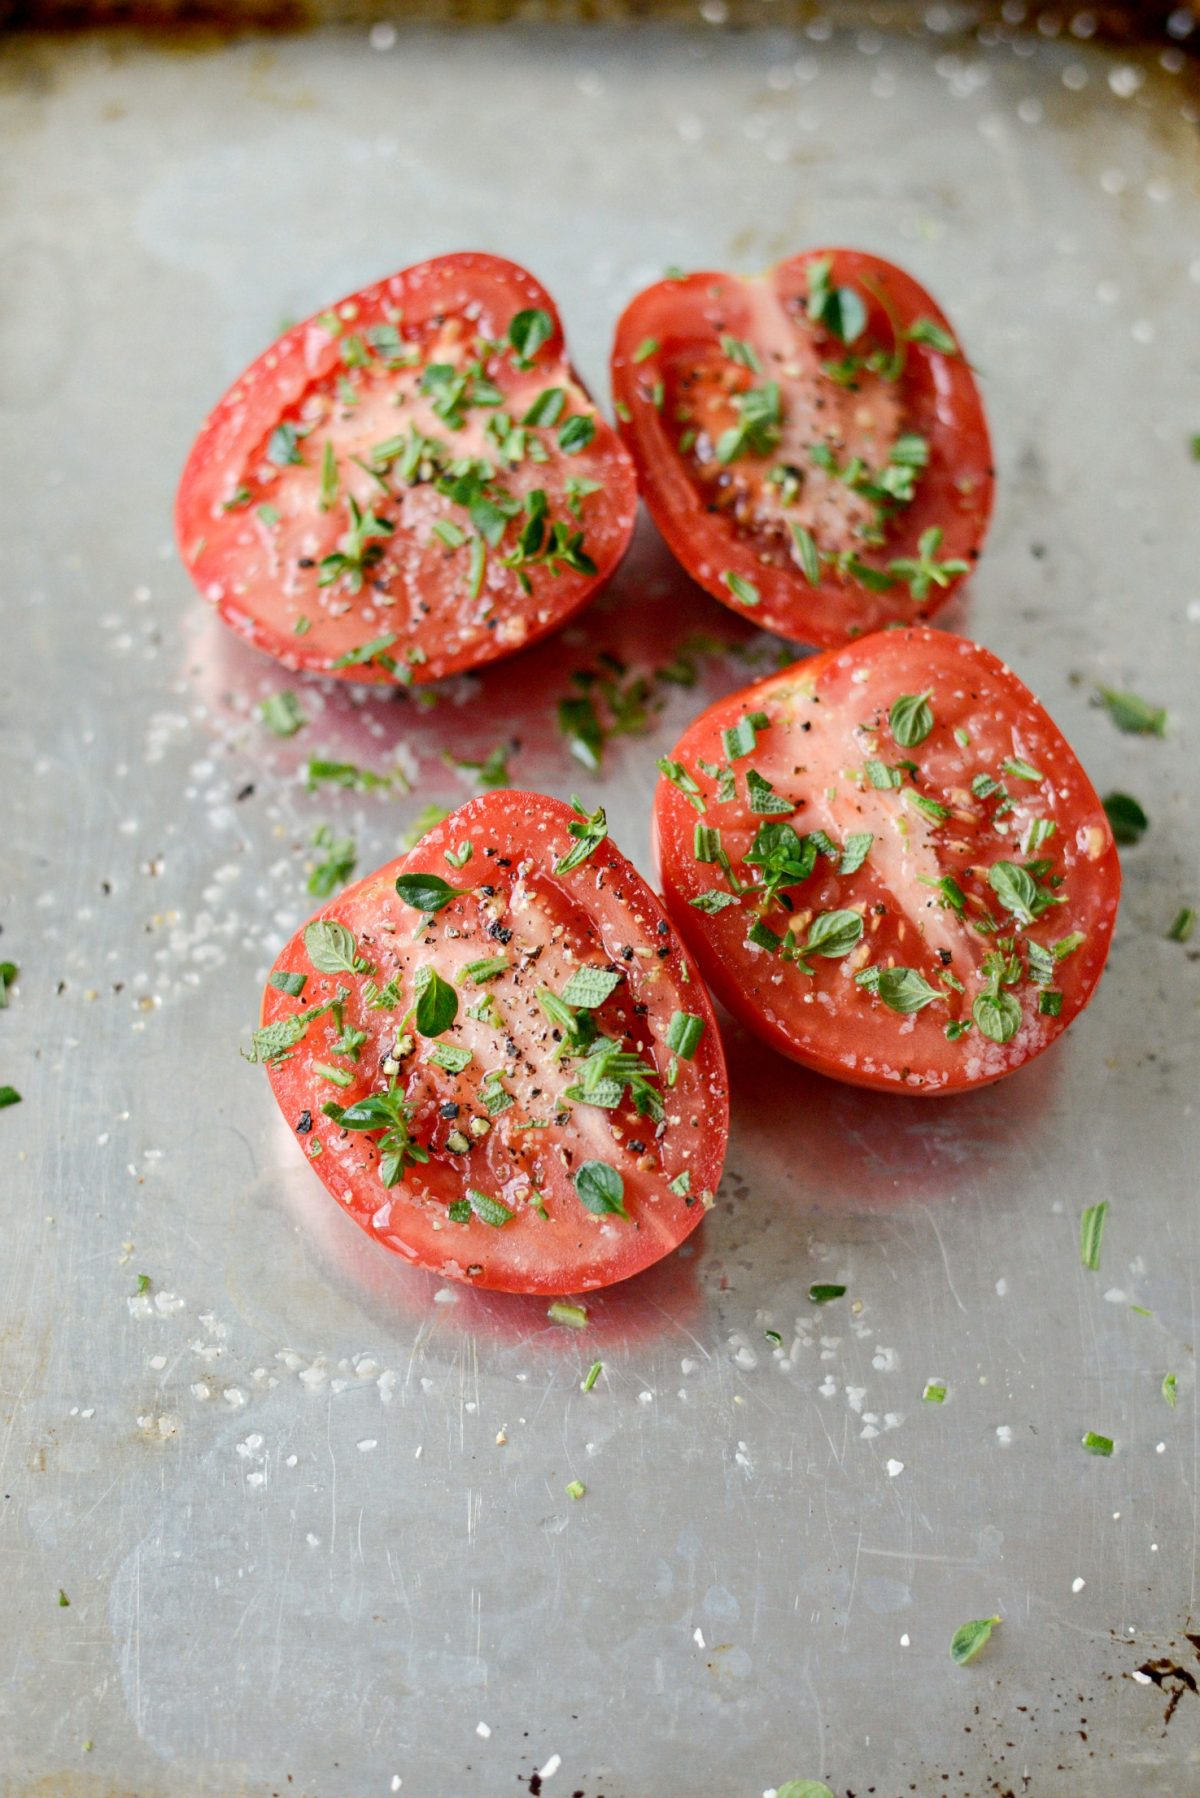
column 811, row 442
column 889, row 864
column 498, row 1056
column 409, row 484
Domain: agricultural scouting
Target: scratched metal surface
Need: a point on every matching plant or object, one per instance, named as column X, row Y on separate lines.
column 297, row 1558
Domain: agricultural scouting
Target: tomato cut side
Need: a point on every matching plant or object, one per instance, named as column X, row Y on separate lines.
column 810, row 442
column 506, row 1073
column 889, row 863
column 411, row 483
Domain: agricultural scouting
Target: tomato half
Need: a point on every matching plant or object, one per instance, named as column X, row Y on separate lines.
column 889, row 863
column 411, row 483
column 810, row 442
column 498, row 1056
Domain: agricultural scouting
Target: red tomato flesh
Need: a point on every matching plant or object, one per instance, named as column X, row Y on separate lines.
column 811, row 442
column 411, row 483
column 472, row 1152
column 973, row 918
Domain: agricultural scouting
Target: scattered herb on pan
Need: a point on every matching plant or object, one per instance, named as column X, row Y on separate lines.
column 1132, row 714
column 1097, row 1445
column 1091, row 1235
column 969, row 1638
column 281, row 713
column 1125, row 815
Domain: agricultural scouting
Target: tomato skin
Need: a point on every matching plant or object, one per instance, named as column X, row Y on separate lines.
column 683, row 319
column 261, row 594
column 608, row 908
column 827, row 1023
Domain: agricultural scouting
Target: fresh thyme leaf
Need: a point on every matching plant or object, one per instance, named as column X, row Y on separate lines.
column 1170, row 1390
column 1097, row 1445
column 934, row 1393
column 806, row 550
column 563, row 1312
column 679, row 777
column 1091, row 1235
column 928, row 331
column 855, row 850
column 822, row 1294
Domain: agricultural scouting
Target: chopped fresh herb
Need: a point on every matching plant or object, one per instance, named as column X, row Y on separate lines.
column 911, row 719
column 684, row 1033
column 358, row 551
column 934, row 1393
column 546, row 408
column 63, row 1600
column 436, row 1002
column 1169, row 1391
column 331, row 948
column 478, row 973
column 1133, row 714
column 822, row 1295
column 905, row 990
column 855, row 850
column 589, row 830
column 997, row 1013
column 144, row 1283
column 881, row 776
column 1018, row 769
column 291, row 984
column 839, row 309
column 427, row 893
column 528, row 331
column 1050, row 1003
column 589, row 986
column 1097, row 1445
column 645, row 349
column 1129, row 822
column 1091, row 1235
column 491, row 772
column 283, row 445
column 762, row 798
column 806, row 550
column 601, row 1189
column 744, row 354
column 744, row 591
column 681, row 1185
column 679, row 777
column 425, row 820
column 575, row 1488
column 970, row 1638
column 487, row 1209
column 318, row 773
column 341, row 857
column 935, row 336
column 1182, row 925
column 449, row 1056
column 281, row 713
column 562, row 1312
column 713, row 901
column 575, row 435
column 740, row 738
column 366, row 653
column 757, row 430
column 335, row 1076
column 833, row 934
column 390, row 1113
column 9, row 1096
column 924, row 571
column 593, row 1374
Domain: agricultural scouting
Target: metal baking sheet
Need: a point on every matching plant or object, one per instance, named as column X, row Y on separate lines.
column 308, row 1506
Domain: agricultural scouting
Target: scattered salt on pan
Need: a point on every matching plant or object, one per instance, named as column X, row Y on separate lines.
column 698, row 1637
column 481, row 1729
column 387, row 1385
column 687, row 1365
column 1003, row 1435
column 1001, row 1289
column 313, row 1541
column 893, row 1468
column 397, row 1782
column 1077, row 1585
column 645, row 1398
column 905, row 1642
column 1160, row 1448
column 233, row 1395
column 552, row 1766
column 445, row 1295
column 1143, row 1679
column 367, row 1444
